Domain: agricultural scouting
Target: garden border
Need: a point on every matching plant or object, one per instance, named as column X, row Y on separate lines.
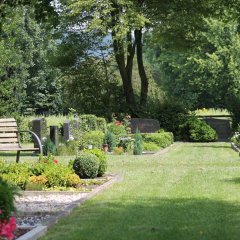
column 40, row 230
column 235, row 147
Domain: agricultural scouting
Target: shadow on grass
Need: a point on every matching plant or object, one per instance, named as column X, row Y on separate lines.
column 14, row 154
column 156, row 218
column 210, row 146
column 233, row 180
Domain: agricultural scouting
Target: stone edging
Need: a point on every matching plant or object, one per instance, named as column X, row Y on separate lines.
column 235, row 147
column 40, row 230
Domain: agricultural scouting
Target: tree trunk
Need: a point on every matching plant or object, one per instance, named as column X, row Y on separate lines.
column 141, row 69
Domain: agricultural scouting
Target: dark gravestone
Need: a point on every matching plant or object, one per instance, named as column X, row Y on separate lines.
column 39, row 126
column 66, row 131
column 54, row 135
column 71, row 130
column 144, row 125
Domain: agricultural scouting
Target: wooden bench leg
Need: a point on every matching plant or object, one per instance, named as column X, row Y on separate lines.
column 18, row 156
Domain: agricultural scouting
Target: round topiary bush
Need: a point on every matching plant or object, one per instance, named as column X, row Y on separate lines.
column 102, row 160
column 86, row 165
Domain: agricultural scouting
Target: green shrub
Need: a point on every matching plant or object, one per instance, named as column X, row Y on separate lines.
column 88, row 123
column 137, row 147
column 57, row 175
column 197, row 130
column 150, row 146
column 25, row 123
column 101, row 124
column 162, row 139
column 94, row 138
column 110, row 139
column 102, row 160
column 86, row 165
column 7, row 194
column 117, row 129
column 49, row 147
column 15, row 173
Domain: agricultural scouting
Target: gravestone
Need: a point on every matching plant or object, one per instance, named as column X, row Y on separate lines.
column 144, row 125
column 39, row 126
column 66, row 131
column 71, row 130
column 54, row 136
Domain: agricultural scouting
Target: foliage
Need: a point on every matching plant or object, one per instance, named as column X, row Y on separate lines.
column 117, row 128
column 86, row 165
column 171, row 114
column 15, row 173
column 118, row 150
column 150, row 146
column 162, row 139
column 197, row 130
column 28, row 81
column 7, row 195
column 57, row 175
column 125, row 142
column 137, row 146
column 101, row 124
column 94, row 138
column 69, row 148
column 49, row 147
column 102, row 160
column 236, row 137
column 110, row 139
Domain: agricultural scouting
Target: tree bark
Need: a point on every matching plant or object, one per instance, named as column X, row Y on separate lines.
column 141, row 69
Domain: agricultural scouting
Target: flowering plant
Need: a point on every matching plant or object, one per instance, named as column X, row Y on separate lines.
column 49, row 159
column 7, row 227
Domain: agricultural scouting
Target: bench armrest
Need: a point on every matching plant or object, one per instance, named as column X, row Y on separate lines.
column 37, row 138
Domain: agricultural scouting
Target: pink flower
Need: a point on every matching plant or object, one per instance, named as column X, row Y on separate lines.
column 118, row 123
column 0, row 211
column 7, row 228
column 55, row 161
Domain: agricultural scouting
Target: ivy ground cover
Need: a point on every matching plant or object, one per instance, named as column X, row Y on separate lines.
column 191, row 192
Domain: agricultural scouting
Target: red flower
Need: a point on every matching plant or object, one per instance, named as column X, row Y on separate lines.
column 7, row 228
column 118, row 123
column 55, row 161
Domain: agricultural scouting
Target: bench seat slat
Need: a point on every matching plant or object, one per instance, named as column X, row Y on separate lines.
column 8, row 129
column 8, row 140
column 17, row 148
column 7, row 120
column 8, row 135
column 8, row 124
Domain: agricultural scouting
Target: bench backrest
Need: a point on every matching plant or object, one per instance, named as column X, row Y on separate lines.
column 8, row 133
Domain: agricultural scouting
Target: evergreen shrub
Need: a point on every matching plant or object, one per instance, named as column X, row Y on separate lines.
column 94, row 138
column 110, row 139
column 86, row 165
column 137, row 147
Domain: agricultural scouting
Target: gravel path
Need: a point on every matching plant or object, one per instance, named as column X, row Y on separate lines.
column 36, row 208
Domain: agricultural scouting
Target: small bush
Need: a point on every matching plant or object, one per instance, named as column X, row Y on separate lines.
column 197, row 130
column 68, row 149
column 137, row 147
column 73, row 180
column 150, row 146
column 57, row 175
column 110, row 139
column 94, row 138
column 118, row 150
column 102, row 160
column 7, row 194
column 101, row 124
column 162, row 139
column 49, row 147
column 86, row 165
column 38, row 179
column 117, row 129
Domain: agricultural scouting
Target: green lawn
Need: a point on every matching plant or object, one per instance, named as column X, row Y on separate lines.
column 191, row 192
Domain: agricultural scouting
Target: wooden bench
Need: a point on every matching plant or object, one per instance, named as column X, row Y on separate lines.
column 9, row 137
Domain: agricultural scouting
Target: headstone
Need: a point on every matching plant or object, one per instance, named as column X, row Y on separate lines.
column 66, row 131
column 39, row 126
column 54, row 136
column 71, row 130
column 144, row 125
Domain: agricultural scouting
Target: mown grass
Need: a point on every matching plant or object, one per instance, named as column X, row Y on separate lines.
column 191, row 192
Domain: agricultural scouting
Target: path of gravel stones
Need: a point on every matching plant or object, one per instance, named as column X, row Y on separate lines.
column 35, row 209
